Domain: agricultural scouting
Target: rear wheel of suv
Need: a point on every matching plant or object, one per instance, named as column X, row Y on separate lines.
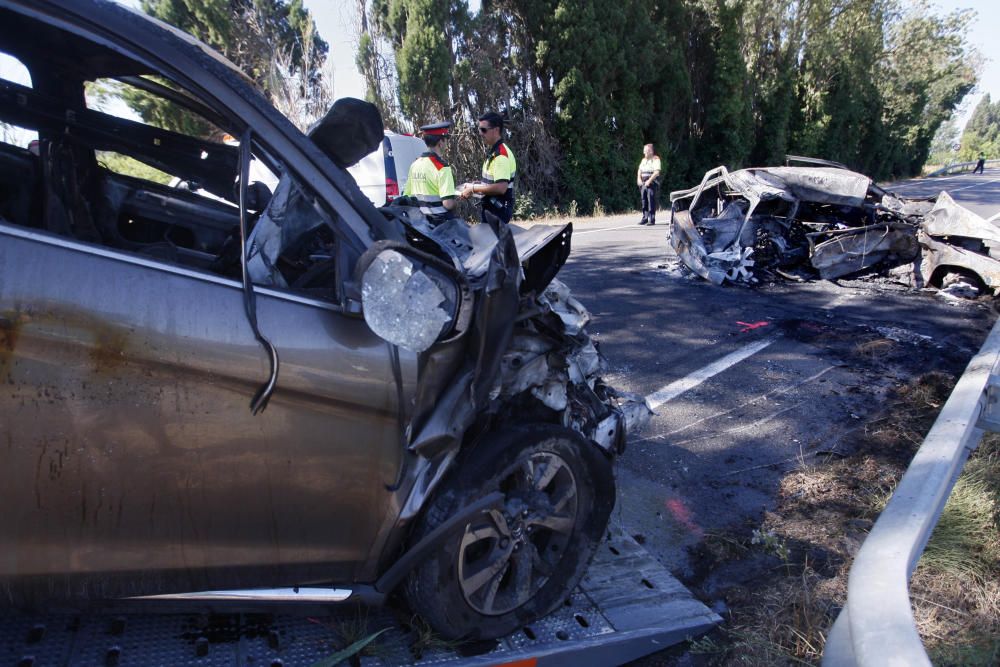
column 516, row 564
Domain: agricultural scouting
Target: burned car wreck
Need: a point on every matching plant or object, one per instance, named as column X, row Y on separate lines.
column 219, row 392
column 825, row 221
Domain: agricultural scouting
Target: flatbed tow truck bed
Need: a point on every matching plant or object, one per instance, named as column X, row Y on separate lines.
column 627, row 606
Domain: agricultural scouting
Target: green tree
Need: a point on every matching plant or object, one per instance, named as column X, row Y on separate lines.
column 727, row 136
column 926, row 74
column 982, row 131
column 422, row 34
column 944, row 146
column 253, row 34
column 584, row 84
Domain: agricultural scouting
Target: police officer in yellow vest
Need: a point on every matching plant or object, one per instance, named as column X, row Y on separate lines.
column 648, row 180
column 499, row 171
column 430, row 180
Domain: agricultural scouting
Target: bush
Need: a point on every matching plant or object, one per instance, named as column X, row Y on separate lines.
column 525, row 207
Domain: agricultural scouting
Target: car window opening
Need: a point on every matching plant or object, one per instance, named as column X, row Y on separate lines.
column 100, row 174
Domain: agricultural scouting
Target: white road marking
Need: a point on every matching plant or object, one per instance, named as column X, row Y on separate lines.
column 604, row 229
column 678, row 387
column 993, row 217
column 975, row 185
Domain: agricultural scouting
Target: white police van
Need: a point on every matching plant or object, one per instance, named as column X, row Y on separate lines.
column 381, row 175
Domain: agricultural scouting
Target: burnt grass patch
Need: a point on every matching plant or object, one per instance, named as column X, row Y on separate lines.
column 780, row 583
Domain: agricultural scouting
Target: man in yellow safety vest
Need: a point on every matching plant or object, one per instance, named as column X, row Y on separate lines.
column 647, row 178
column 430, row 180
column 499, row 171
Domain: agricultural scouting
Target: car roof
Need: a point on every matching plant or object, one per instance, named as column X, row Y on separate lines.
column 32, row 40
column 56, row 22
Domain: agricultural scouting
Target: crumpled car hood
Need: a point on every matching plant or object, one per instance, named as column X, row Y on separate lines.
column 525, row 358
column 471, row 246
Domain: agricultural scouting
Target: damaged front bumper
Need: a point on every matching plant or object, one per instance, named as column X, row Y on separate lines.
column 525, row 356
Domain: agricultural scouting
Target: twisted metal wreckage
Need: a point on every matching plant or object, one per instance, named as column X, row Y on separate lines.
column 828, row 222
column 544, row 357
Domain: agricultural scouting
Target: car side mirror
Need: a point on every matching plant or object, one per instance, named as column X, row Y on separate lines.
column 406, row 299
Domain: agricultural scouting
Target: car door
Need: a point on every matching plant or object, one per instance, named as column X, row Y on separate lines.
column 132, row 462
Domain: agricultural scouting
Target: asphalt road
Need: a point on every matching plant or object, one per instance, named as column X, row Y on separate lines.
column 752, row 381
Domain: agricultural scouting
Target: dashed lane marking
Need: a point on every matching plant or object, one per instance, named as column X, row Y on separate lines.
column 678, row 387
column 604, row 229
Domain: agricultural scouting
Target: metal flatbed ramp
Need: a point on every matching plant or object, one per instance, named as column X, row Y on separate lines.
column 627, row 606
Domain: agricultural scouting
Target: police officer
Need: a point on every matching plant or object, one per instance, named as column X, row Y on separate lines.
column 980, row 163
column 647, row 178
column 499, row 171
column 430, row 180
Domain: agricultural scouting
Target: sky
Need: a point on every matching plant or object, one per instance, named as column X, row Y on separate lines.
column 982, row 36
column 336, row 22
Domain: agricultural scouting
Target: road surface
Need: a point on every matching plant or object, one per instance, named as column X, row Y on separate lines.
column 751, row 382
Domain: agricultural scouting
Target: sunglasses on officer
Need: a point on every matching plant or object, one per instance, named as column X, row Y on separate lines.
column 484, row 129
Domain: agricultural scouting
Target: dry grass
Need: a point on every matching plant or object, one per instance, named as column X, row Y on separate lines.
column 956, row 587
column 823, row 515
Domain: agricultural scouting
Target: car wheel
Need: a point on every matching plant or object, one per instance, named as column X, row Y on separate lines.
column 516, row 564
column 960, row 284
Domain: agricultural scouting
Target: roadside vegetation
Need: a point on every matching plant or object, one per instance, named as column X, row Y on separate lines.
column 584, row 84
column 802, row 551
column 981, row 135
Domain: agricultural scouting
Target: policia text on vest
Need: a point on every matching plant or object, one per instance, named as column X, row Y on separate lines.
column 499, row 171
column 430, row 180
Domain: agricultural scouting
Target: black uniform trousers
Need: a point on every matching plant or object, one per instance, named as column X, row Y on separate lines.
column 649, row 201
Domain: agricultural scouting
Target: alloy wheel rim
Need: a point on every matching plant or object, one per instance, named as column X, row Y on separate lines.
column 507, row 556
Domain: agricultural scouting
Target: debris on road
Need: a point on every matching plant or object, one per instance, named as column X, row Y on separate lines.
column 750, row 326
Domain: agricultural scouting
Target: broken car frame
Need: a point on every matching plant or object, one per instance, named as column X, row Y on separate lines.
column 828, row 222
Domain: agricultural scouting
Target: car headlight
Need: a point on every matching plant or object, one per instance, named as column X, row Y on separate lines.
column 407, row 302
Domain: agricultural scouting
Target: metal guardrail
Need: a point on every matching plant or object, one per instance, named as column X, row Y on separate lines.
column 959, row 167
column 876, row 626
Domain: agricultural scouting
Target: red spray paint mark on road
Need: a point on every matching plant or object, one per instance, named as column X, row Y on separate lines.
column 682, row 515
column 750, row 326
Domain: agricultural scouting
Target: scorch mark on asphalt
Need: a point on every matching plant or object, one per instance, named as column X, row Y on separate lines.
column 762, row 397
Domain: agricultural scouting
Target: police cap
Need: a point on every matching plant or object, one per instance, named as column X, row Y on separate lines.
column 436, row 129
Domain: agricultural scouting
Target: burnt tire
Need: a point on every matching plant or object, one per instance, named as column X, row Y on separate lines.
column 513, row 566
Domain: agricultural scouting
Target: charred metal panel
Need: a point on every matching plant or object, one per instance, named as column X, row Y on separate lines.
column 849, row 253
column 689, row 247
column 937, row 254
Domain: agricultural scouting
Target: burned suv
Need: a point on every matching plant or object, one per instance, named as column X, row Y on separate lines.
column 825, row 221
column 220, row 390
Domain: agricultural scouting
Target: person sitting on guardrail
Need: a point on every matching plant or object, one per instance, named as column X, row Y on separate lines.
column 980, row 164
